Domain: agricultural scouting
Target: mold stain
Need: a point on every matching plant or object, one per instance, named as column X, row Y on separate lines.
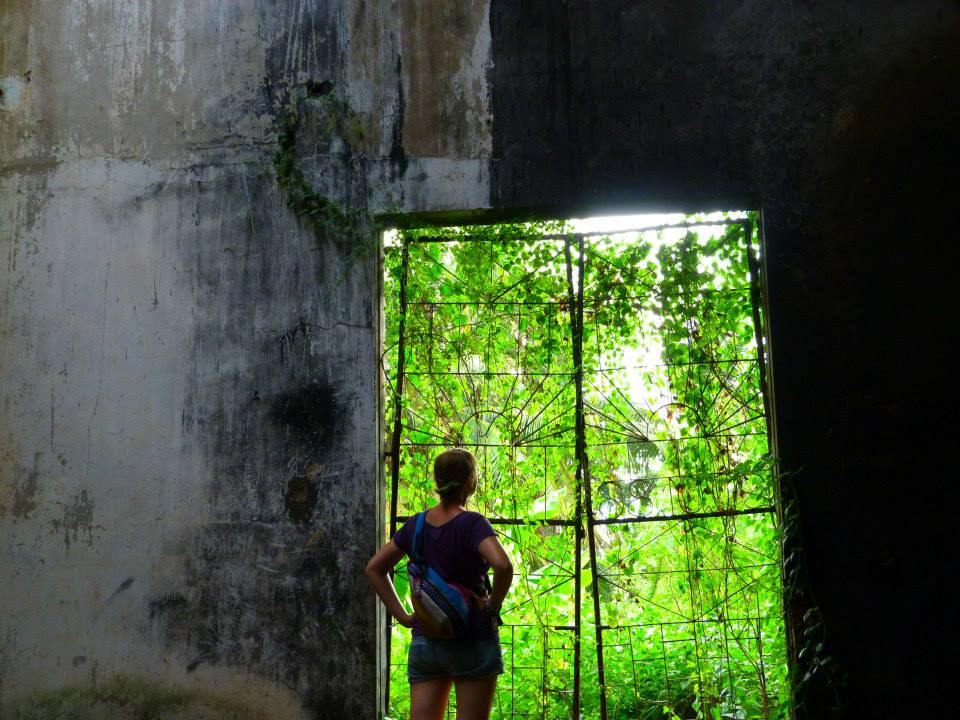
column 76, row 522
column 165, row 603
column 131, row 698
column 25, row 493
column 275, row 616
column 308, row 412
column 301, row 497
column 125, row 585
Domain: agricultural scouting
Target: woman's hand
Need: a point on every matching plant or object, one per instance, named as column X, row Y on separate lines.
column 488, row 610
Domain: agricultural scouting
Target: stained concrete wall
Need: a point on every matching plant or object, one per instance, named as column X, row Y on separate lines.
column 189, row 433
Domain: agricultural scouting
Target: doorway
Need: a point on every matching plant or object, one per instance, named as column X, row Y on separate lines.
column 611, row 377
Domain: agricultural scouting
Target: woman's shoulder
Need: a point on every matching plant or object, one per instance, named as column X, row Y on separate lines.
column 476, row 526
column 471, row 516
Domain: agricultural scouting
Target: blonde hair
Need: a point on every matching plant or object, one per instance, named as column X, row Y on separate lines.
column 455, row 475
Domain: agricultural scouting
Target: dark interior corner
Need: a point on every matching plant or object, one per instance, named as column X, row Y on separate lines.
column 851, row 147
column 861, row 324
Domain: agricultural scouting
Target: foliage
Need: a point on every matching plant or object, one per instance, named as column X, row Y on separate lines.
column 335, row 118
column 680, row 477
column 814, row 667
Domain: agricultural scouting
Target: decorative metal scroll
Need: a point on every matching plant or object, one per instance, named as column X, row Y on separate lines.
column 613, row 389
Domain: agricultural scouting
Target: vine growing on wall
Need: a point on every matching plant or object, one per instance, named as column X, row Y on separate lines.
column 815, row 668
column 336, row 119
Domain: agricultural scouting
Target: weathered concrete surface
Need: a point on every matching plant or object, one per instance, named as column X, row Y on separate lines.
column 138, row 80
column 618, row 104
column 189, row 428
column 165, row 413
column 446, row 114
column 190, row 434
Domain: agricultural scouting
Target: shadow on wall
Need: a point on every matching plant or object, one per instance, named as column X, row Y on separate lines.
column 877, row 279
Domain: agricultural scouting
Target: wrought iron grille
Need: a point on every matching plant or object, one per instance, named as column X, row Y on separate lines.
column 613, row 388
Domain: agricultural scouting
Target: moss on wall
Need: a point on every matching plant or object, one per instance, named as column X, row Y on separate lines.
column 131, row 698
column 334, row 118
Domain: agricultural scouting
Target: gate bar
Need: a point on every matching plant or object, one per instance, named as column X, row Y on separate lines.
column 583, row 468
column 394, row 451
column 578, row 553
column 594, row 233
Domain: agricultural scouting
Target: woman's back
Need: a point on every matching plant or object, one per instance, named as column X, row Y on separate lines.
column 451, row 549
column 460, row 546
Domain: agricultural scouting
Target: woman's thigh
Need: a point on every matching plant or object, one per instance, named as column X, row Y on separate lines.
column 428, row 699
column 475, row 697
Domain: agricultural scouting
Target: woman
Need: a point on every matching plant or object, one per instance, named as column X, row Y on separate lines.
column 460, row 545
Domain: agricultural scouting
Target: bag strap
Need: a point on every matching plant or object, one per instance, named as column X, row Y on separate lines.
column 416, row 551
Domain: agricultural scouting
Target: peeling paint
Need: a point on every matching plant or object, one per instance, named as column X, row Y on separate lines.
column 302, row 492
column 12, row 90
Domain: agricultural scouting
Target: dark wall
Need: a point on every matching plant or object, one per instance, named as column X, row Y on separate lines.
column 841, row 121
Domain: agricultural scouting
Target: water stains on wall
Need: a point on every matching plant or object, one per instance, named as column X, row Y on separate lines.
column 276, row 402
column 24, row 491
column 309, row 413
column 446, row 53
column 76, row 520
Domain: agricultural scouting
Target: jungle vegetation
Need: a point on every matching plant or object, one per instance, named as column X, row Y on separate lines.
column 612, row 386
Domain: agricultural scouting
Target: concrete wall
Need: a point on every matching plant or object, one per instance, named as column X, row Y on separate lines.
column 189, row 432
column 189, row 435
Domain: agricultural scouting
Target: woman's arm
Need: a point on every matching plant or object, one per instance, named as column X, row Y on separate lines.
column 492, row 551
column 377, row 573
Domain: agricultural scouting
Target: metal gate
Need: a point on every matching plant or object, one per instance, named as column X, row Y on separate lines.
column 613, row 388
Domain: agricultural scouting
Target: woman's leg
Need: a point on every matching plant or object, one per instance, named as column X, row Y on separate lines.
column 428, row 699
column 475, row 697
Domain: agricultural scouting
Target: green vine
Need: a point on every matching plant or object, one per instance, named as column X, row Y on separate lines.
column 336, row 118
column 815, row 666
column 675, row 428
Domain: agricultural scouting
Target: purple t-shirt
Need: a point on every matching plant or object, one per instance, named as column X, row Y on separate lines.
column 451, row 550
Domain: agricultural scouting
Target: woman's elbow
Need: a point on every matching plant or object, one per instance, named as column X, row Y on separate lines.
column 504, row 567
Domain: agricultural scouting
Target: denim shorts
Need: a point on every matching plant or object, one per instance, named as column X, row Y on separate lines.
column 431, row 659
